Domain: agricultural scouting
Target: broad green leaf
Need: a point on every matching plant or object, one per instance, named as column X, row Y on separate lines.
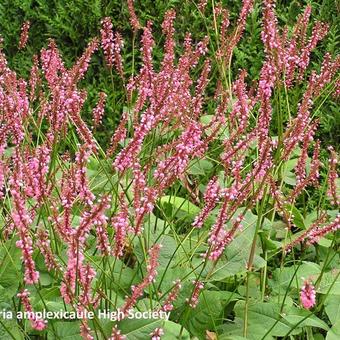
column 231, row 337
column 267, row 315
column 334, row 332
column 136, row 329
column 180, row 205
column 153, row 228
column 288, row 175
column 64, row 330
column 10, row 264
column 172, row 331
column 208, row 311
column 234, row 331
column 10, row 330
column 298, row 219
column 330, row 283
column 206, row 120
column 296, row 316
column 332, row 308
column 199, row 167
column 282, row 277
column 118, row 275
column 253, row 287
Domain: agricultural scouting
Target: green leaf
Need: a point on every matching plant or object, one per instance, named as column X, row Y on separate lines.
column 206, row 120
column 332, row 308
column 267, row 315
column 298, row 219
column 9, row 329
column 180, row 205
column 136, row 329
column 10, row 264
column 208, row 311
column 295, row 315
column 334, row 332
column 234, row 331
column 231, row 337
column 153, row 228
column 173, row 331
column 64, row 330
column 330, row 283
column 282, row 277
column 199, row 167
column 288, row 175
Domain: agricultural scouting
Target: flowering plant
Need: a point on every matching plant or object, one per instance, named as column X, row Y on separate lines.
column 197, row 208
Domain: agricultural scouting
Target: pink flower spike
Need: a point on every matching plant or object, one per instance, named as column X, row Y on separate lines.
column 98, row 111
column 24, row 35
column 107, row 40
column 211, row 197
column 133, row 17
column 36, row 323
column 307, row 295
column 157, row 333
column 168, row 303
column 116, row 334
column 332, row 178
column 193, row 301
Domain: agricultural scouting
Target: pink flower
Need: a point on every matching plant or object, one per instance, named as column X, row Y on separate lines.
column 316, row 233
column 98, row 111
column 103, row 243
column 138, row 291
column 312, row 177
column 107, row 40
column 119, row 135
column 332, row 177
column 85, row 330
column 24, row 34
column 116, row 334
column 193, row 300
column 211, row 197
column 44, row 244
column 307, row 295
column 52, row 64
column 120, row 223
column 202, row 5
column 157, row 333
column 22, row 221
column 80, row 67
column 81, row 180
column 36, row 323
column 167, row 305
column 189, row 145
column 133, row 17
column 112, row 44
column 86, row 276
column 219, row 239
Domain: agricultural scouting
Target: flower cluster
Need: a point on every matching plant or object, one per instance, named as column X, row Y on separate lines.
column 98, row 111
column 307, row 295
column 193, row 300
column 36, row 323
column 157, row 333
column 167, row 305
column 332, row 178
column 24, row 35
column 137, row 291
